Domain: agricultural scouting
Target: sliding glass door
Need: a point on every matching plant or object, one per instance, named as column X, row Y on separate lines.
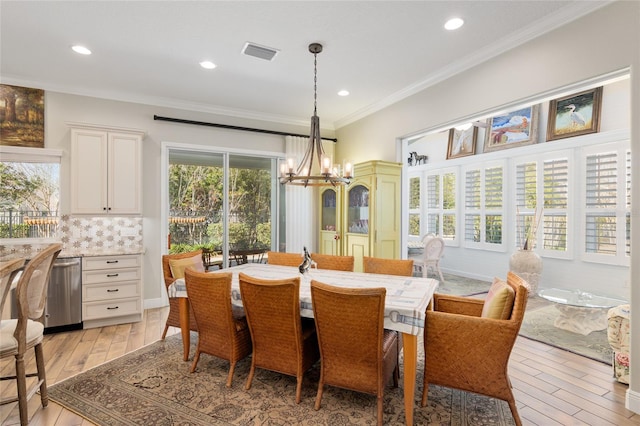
column 223, row 202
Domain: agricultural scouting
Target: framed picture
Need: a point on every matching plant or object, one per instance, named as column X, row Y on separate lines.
column 462, row 142
column 21, row 116
column 516, row 128
column 574, row 115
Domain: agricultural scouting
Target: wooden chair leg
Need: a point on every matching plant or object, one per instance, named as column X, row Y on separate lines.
column 514, row 412
column 232, row 368
column 380, row 409
column 21, row 380
column 425, row 394
column 250, row 378
column 42, row 378
column 164, row 333
column 299, row 390
column 196, row 358
column 319, row 396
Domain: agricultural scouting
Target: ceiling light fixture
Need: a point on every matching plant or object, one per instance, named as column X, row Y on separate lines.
column 207, row 65
column 343, row 93
column 81, row 50
column 327, row 174
column 453, row 24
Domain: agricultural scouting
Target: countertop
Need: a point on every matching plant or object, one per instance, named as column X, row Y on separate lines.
column 27, row 253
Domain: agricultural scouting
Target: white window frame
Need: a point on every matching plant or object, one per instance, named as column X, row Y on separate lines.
column 439, row 208
column 622, row 209
column 483, row 211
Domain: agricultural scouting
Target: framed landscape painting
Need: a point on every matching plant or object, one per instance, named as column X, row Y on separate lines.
column 462, row 142
column 513, row 129
column 575, row 115
column 21, row 116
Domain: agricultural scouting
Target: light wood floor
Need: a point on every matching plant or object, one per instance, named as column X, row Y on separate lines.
column 552, row 386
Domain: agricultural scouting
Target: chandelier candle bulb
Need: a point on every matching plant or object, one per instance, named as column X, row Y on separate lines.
column 326, row 165
column 348, row 170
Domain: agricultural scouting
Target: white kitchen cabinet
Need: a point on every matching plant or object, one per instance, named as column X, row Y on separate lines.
column 106, row 171
column 111, row 290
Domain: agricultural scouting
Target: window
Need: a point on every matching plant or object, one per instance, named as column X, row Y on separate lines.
column 441, row 204
column 30, row 192
column 414, row 207
column 607, row 195
column 483, row 206
column 542, row 203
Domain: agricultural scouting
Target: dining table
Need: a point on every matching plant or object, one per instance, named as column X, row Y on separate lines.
column 406, row 303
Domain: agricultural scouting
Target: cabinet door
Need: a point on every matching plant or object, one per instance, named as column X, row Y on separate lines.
column 88, row 171
column 330, row 218
column 125, row 177
column 386, row 237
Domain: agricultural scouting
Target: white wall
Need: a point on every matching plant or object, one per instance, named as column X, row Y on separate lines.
column 63, row 108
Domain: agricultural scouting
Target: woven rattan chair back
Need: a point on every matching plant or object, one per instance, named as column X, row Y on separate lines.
column 376, row 265
column 222, row 330
column 356, row 352
column 336, row 263
column 27, row 331
column 282, row 342
column 8, row 271
column 284, row 259
column 459, row 344
column 173, row 320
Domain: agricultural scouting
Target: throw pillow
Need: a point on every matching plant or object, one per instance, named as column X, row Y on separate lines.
column 499, row 301
column 179, row 265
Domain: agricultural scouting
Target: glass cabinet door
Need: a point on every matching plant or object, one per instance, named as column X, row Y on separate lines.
column 329, row 210
column 358, row 215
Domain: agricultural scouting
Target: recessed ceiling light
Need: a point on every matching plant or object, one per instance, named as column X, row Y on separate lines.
column 343, row 93
column 81, row 50
column 207, row 65
column 454, row 24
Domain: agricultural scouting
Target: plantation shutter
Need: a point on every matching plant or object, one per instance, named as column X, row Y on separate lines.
column 601, row 202
column 472, row 206
column 556, row 200
column 526, row 200
column 493, row 195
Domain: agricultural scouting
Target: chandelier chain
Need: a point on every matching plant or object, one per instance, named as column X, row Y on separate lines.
column 315, row 84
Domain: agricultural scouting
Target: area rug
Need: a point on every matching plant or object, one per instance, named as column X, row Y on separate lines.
column 538, row 325
column 153, row 386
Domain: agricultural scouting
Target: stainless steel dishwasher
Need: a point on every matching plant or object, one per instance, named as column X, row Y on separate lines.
column 63, row 311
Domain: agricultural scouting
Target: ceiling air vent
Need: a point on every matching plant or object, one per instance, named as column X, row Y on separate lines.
column 257, row 51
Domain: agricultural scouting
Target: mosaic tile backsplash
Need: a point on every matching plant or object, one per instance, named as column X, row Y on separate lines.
column 80, row 234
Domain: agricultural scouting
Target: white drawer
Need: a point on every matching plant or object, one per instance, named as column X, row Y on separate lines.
column 109, row 262
column 106, row 292
column 110, row 309
column 115, row 275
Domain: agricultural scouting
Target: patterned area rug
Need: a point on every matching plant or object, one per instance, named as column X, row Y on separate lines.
column 538, row 325
column 153, row 386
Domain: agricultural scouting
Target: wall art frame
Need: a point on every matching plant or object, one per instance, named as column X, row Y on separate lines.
column 575, row 115
column 512, row 129
column 21, row 116
column 462, row 142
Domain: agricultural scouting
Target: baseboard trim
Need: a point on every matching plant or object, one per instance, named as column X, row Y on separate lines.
column 158, row 302
column 633, row 401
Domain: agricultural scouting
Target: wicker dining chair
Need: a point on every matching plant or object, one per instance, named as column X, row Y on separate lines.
column 19, row 335
column 356, row 352
column 330, row 261
column 222, row 328
column 284, row 259
column 376, row 265
column 282, row 341
column 466, row 351
column 180, row 262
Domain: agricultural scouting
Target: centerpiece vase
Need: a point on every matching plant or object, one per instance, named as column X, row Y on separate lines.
column 527, row 264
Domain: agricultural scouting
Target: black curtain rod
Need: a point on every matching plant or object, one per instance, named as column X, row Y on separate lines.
column 226, row 126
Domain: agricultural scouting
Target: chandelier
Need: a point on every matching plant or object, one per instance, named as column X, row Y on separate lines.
column 326, row 172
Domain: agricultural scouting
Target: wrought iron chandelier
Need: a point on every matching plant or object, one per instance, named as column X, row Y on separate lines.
column 327, row 173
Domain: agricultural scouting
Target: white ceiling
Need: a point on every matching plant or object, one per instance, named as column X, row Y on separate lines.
column 148, row 51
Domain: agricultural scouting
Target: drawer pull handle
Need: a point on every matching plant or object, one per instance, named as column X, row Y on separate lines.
column 112, row 261
column 109, row 308
column 113, row 291
column 112, row 275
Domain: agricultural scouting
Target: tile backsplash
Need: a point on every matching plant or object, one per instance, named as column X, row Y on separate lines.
column 81, row 234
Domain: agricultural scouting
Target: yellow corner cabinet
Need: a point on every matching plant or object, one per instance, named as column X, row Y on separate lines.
column 363, row 218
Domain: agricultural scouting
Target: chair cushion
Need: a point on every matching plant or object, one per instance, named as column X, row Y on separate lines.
column 179, row 265
column 499, row 301
column 9, row 344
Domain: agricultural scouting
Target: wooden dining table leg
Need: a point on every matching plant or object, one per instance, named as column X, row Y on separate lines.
column 410, row 348
column 183, row 309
